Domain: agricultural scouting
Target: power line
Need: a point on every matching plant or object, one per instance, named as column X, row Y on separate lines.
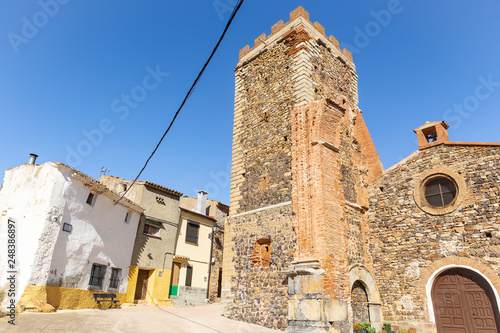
column 233, row 14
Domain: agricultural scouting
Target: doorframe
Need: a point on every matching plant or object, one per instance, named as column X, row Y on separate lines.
column 436, row 273
column 147, row 284
column 172, row 277
column 359, row 272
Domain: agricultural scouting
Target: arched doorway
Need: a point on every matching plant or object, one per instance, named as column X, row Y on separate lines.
column 464, row 302
column 359, row 303
column 365, row 298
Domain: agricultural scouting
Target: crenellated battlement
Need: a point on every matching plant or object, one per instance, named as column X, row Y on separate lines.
column 298, row 17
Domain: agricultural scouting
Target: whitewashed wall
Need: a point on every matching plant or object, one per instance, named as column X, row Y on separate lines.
column 40, row 199
column 24, row 198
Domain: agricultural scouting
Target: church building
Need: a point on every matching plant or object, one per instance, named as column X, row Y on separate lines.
column 319, row 236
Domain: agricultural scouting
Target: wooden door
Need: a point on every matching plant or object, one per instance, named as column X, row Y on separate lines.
column 141, row 288
column 174, row 284
column 464, row 303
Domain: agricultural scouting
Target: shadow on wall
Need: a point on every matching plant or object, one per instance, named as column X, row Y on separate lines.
column 140, row 242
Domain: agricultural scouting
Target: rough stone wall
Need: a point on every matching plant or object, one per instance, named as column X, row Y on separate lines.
column 332, row 77
column 294, row 140
column 406, row 241
column 355, row 235
column 217, row 253
column 259, row 295
column 267, row 94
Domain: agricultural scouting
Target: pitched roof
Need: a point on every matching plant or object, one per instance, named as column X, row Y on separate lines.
column 161, row 188
column 98, row 187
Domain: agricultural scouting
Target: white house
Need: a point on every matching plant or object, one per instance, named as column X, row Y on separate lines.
column 71, row 239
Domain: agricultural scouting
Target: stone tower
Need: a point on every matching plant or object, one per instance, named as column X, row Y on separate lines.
column 302, row 158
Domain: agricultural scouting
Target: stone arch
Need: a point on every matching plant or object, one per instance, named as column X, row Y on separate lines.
column 358, row 272
column 429, row 275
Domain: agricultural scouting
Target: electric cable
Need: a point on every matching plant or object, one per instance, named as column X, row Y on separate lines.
column 233, row 14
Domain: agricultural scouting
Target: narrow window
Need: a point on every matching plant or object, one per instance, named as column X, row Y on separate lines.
column 97, row 275
column 90, row 198
column 127, row 216
column 192, row 231
column 114, row 281
column 189, row 276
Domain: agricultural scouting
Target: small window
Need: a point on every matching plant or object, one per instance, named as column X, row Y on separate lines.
column 114, row 281
column 151, row 230
column 192, row 231
column 127, row 217
column 440, row 191
column 189, row 276
column 97, row 275
column 90, row 198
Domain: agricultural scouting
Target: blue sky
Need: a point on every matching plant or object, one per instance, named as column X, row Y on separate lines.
column 67, row 67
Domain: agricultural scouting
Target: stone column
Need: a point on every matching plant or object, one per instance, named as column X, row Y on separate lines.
column 309, row 310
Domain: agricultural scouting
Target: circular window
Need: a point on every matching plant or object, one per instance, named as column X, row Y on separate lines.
column 440, row 191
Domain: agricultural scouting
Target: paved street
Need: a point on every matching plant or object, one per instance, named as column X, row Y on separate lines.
column 141, row 318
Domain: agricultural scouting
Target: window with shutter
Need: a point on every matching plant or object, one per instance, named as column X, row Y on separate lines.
column 192, row 231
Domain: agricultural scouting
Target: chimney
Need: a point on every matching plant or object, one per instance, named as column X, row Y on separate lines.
column 432, row 134
column 201, row 204
column 32, row 158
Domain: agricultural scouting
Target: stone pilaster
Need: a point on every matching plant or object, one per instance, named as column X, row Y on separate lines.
column 309, row 310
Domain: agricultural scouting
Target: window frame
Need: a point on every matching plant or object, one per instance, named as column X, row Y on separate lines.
column 189, row 276
column 116, row 279
column 90, row 197
column 192, row 239
column 439, row 180
column 420, row 182
column 150, row 225
column 100, row 278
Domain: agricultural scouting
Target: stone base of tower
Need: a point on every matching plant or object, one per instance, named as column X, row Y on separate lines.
column 309, row 310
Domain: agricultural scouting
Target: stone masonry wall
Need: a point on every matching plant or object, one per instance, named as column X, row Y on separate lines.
column 294, row 140
column 356, row 250
column 407, row 242
column 267, row 97
column 217, row 253
column 259, row 295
